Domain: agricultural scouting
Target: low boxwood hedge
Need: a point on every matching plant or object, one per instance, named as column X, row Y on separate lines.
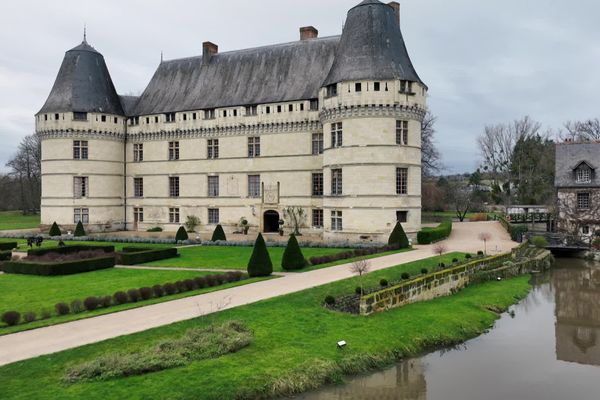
column 58, row 268
column 70, row 249
column 5, row 255
column 430, row 235
column 139, row 255
column 8, row 245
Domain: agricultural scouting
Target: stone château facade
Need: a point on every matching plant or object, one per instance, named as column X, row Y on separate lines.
column 331, row 125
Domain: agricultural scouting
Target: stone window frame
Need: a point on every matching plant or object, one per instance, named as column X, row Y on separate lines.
column 138, row 187
column 213, row 185
column 212, row 149
column 174, row 150
column 81, row 187
column 140, row 213
column 81, row 214
column 337, row 182
column 80, row 150
column 402, row 216
column 253, row 186
column 583, row 200
column 173, row 186
column 337, row 134
column 253, row 146
column 401, row 180
column 336, row 220
column 317, row 218
column 138, row 152
column 583, row 174
column 173, row 215
column 317, row 143
column 317, row 184
column 402, row 132
column 213, row 216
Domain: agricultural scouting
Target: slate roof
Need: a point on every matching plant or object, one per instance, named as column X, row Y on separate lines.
column 571, row 155
column 83, row 84
column 128, row 104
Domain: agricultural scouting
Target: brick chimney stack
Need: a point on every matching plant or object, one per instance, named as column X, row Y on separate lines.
column 308, row 32
column 396, row 6
column 209, row 49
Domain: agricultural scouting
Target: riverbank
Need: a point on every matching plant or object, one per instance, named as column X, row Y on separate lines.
column 293, row 347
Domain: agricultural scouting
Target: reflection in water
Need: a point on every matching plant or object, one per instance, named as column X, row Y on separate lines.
column 549, row 350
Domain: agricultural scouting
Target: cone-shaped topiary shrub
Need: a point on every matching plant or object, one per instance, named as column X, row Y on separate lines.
column 218, row 234
column 292, row 255
column 260, row 262
column 54, row 230
column 181, row 234
column 79, row 231
column 398, row 238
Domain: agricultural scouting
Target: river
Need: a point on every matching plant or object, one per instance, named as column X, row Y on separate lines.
column 547, row 347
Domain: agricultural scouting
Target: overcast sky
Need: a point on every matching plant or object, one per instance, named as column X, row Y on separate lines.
column 484, row 61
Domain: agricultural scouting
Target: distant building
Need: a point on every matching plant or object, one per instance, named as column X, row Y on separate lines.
column 332, row 125
column 577, row 187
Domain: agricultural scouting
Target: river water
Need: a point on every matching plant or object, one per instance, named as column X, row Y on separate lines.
column 547, row 347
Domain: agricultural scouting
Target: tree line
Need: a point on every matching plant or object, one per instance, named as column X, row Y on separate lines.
column 20, row 187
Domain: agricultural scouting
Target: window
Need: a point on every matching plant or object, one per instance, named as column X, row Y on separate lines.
column 402, row 132
column 401, row 180
column 278, row 109
column 301, row 106
column 290, row 107
column 213, row 148
column 331, row 90
column 402, row 216
column 336, row 134
column 209, row 114
column 80, row 116
column 194, row 116
column 314, row 105
column 584, row 174
column 358, row 87
column 336, row 182
column 213, row 215
column 156, row 119
column 138, row 152
column 317, row 184
column 254, row 146
column 585, row 230
column 138, row 187
column 336, row 221
column 80, row 186
column 251, row 110
column 56, row 117
column 81, row 215
column 213, row 186
column 173, row 151
column 147, row 120
column 406, row 87
column 116, row 120
column 317, row 218
column 170, row 117
column 174, row 186
column 174, row 215
column 45, row 117
column 103, row 118
column 268, row 110
column 138, row 214
column 80, row 149
column 583, row 201
column 254, row 186
column 184, row 117
column 317, row 143
column 377, row 86
column 235, row 113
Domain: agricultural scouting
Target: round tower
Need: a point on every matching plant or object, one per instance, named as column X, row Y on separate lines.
column 373, row 104
column 82, row 131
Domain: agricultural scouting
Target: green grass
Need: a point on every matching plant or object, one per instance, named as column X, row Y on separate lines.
column 294, row 342
column 22, row 244
column 10, row 220
column 439, row 216
column 25, row 293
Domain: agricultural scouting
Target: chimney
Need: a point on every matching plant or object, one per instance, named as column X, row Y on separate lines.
column 209, row 49
column 396, row 6
column 308, row 32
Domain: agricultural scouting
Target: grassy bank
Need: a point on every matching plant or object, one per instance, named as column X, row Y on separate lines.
column 10, row 220
column 294, row 346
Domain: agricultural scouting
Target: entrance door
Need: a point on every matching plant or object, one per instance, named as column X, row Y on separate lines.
column 271, row 221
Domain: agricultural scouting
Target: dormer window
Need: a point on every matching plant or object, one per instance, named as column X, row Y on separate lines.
column 358, row 87
column 80, row 116
column 406, row 87
column 584, row 174
column 170, row 117
column 331, row 90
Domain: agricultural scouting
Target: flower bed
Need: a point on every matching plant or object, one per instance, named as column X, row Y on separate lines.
column 137, row 255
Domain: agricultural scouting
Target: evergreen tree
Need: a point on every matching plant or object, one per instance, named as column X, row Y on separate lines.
column 54, row 230
column 292, row 255
column 218, row 234
column 398, row 237
column 181, row 234
column 260, row 262
column 79, row 231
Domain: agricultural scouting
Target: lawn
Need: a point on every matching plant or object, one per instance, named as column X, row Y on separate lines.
column 439, row 216
column 25, row 293
column 294, row 344
column 10, row 220
column 22, row 244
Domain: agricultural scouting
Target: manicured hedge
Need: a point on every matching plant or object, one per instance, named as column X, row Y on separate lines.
column 69, row 249
column 58, row 268
column 137, row 255
column 8, row 245
column 317, row 260
column 5, row 255
column 516, row 231
column 430, row 235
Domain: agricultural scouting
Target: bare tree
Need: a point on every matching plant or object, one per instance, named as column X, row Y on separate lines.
column 25, row 167
column 461, row 199
column 439, row 249
column 581, row 131
column 485, row 236
column 360, row 267
column 430, row 156
column 296, row 217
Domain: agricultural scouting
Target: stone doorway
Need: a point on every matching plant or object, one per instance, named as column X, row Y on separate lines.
column 271, row 221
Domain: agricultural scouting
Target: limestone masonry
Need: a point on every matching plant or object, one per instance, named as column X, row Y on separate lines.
column 331, row 125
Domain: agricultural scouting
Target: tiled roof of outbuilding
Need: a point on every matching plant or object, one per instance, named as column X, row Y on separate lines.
column 571, row 155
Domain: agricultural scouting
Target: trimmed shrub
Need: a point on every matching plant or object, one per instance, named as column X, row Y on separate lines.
column 79, row 230
column 455, row 260
column 260, row 261
column 146, row 293
column 181, row 287
column 120, row 297
column 134, row 295
column 181, row 234
column 218, row 234
column 293, row 258
column 5, row 255
column 11, row 318
column 480, row 253
column 358, row 290
column 405, row 275
column 330, row 300
column 200, row 282
column 45, row 314
column 155, row 229
column 430, row 235
column 8, row 245
column 138, row 255
column 468, row 255
column 424, row 271
column 170, row 288
column 158, row 290
column 398, row 237
column 62, row 308
column 190, row 284
column 441, row 265
column 105, row 301
column 539, row 241
column 58, row 268
column 29, row 316
column 76, row 306
column 91, row 303
column 54, row 230
column 70, row 249
column 211, row 280
column 383, row 282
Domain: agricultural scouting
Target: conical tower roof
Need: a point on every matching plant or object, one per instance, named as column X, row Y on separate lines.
column 83, row 84
column 371, row 46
